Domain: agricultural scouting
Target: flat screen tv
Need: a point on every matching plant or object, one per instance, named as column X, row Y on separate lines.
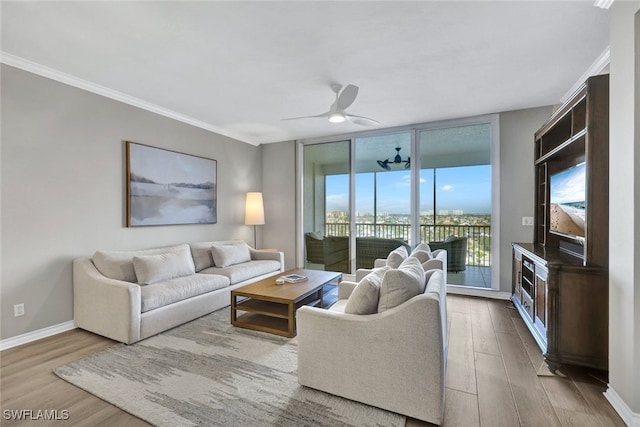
column 567, row 202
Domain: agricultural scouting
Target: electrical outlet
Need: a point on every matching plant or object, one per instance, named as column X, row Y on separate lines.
column 527, row 220
column 18, row 310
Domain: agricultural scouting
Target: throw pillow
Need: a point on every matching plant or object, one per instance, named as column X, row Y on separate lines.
column 365, row 296
column 157, row 268
column 422, row 247
column 401, row 284
column 230, row 254
column 422, row 256
column 118, row 265
column 396, row 256
column 201, row 253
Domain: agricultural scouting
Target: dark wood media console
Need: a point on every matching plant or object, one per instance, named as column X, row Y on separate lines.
column 560, row 281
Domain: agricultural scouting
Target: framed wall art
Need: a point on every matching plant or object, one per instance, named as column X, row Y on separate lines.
column 166, row 187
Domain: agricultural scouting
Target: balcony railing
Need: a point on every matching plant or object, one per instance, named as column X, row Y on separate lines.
column 478, row 242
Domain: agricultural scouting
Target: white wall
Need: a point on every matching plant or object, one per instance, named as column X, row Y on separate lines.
column 63, row 189
column 624, row 211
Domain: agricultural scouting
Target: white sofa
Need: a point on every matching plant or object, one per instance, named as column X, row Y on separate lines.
column 131, row 295
column 394, row 359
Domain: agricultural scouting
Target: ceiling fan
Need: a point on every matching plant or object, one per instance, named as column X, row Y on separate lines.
column 337, row 112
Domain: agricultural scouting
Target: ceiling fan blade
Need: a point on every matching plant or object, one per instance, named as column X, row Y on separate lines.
column 309, row 117
column 346, row 97
column 360, row 120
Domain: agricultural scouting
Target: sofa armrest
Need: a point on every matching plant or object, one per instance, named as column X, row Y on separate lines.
column 345, row 288
column 267, row 255
column 393, row 360
column 105, row 306
column 361, row 272
column 379, row 262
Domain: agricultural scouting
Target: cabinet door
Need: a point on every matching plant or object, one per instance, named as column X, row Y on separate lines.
column 541, row 298
column 517, row 275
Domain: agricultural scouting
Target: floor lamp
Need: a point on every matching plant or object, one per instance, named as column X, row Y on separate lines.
column 254, row 213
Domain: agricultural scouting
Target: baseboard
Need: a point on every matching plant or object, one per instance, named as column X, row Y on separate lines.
column 630, row 418
column 36, row 335
column 478, row 292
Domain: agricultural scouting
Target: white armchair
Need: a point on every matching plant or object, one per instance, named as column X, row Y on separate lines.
column 394, row 360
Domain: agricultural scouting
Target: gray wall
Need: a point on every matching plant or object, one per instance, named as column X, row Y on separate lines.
column 63, row 168
column 516, row 181
column 279, row 191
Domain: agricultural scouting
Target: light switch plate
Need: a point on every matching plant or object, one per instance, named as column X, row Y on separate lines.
column 527, row 220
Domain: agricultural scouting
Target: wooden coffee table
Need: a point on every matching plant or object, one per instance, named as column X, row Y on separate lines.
column 269, row 307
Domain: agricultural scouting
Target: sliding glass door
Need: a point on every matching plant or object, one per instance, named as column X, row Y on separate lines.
column 369, row 194
column 455, row 199
column 326, row 209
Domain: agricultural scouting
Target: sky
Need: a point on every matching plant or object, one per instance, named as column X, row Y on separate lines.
column 467, row 188
column 568, row 186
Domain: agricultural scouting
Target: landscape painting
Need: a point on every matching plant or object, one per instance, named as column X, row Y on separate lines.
column 165, row 187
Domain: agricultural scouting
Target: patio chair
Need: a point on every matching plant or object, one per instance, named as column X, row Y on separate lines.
column 456, row 248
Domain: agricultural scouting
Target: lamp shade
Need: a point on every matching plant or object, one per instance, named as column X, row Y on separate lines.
column 254, row 211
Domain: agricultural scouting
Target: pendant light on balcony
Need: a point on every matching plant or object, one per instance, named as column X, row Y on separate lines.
column 397, row 162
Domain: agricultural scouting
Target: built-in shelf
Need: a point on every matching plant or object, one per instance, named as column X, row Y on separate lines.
column 560, row 282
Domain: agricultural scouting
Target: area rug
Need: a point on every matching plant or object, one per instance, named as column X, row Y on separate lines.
column 209, row 373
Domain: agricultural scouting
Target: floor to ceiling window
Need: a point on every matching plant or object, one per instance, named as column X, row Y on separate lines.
column 428, row 184
column 455, row 199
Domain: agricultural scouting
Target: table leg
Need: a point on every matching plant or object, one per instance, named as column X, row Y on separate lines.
column 234, row 315
column 292, row 319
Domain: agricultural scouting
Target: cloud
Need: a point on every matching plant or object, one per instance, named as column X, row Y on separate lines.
column 447, row 187
column 405, row 180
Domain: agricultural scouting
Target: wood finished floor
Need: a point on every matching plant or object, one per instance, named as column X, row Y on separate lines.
column 493, row 377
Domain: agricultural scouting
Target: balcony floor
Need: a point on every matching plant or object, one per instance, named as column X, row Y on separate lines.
column 472, row 276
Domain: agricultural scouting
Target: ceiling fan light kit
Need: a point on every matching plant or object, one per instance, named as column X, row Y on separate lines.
column 337, row 118
column 337, row 112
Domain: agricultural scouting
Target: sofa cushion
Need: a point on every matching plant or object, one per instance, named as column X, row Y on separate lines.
column 157, row 268
column 228, row 254
column 168, row 292
column 401, row 284
column 118, row 265
column 201, row 254
column 247, row 270
column 396, row 256
column 365, row 296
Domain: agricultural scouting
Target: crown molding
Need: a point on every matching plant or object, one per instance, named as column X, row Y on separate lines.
column 603, row 4
column 594, row 69
column 68, row 79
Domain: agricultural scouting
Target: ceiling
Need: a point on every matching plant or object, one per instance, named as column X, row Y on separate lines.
column 238, row 68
